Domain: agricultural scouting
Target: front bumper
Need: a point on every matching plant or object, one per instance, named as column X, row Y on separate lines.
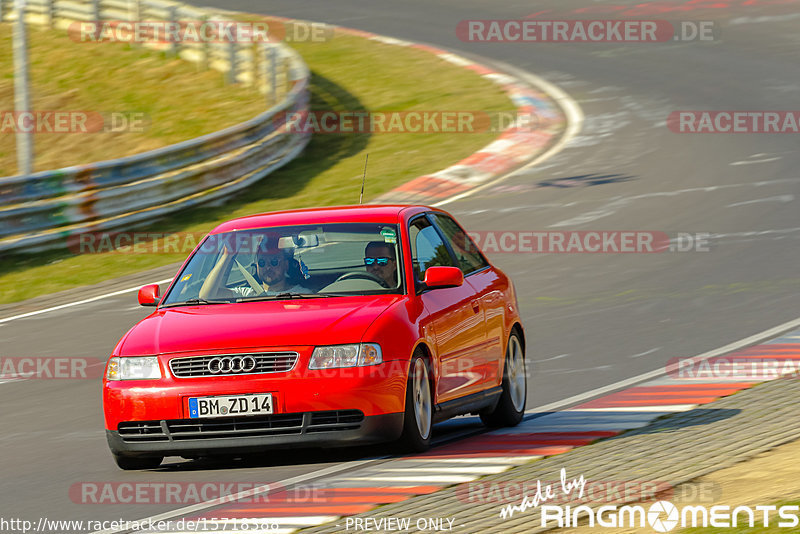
column 375, row 390
column 251, row 434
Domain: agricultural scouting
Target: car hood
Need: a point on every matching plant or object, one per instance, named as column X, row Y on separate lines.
column 324, row 321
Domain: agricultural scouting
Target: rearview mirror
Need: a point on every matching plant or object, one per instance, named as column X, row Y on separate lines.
column 306, row 241
column 149, row 295
column 439, row 277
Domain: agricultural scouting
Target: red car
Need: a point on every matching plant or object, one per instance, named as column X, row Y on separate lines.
column 317, row 327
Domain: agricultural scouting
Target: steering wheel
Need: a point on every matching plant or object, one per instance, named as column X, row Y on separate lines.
column 363, row 275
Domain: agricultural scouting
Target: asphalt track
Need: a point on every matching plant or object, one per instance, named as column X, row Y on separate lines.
column 592, row 319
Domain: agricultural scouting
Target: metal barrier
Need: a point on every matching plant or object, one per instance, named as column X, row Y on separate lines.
column 43, row 209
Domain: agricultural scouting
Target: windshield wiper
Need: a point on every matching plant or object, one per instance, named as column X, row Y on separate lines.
column 196, row 302
column 287, row 296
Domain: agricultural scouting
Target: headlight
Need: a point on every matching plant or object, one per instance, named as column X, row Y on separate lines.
column 354, row 355
column 138, row 368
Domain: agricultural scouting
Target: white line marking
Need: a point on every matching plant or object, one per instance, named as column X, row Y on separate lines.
column 512, row 460
column 614, row 204
column 571, row 110
column 664, row 408
column 566, row 418
column 764, row 18
column 720, row 381
column 571, row 371
column 452, row 479
column 577, row 428
column 486, row 470
column 247, row 493
column 755, row 338
column 745, row 162
column 645, row 353
column 78, row 303
column 778, row 198
column 551, row 359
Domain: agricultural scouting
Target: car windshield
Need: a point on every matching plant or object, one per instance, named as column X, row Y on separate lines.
column 290, row 262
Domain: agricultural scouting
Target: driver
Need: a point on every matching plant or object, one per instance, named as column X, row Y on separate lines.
column 380, row 261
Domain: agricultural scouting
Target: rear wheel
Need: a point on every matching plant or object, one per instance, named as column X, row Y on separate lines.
column 511, row 407
column 418, row 419
column 129, row 463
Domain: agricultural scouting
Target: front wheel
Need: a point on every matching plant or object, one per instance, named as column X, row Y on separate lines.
column 131, row 463
column 418, row 419
column 511, row 407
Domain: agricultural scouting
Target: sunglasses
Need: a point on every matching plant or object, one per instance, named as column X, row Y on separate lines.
column 273, row 261
column 379, row 261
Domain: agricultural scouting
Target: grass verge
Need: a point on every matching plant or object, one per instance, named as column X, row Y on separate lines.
column 349, row 73
column 175, row 100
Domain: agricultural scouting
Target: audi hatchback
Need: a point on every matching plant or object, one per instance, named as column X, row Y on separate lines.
column 320, row 327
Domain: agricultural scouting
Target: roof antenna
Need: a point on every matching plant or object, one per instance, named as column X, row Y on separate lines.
column 363, row 179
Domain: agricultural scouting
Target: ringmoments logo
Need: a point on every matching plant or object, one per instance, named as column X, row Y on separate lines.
column 659, row 509
column 661, row 516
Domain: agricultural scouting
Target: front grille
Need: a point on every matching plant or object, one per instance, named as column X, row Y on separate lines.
column 230, row 427
column 246, row 426
column 142, row 431
column 233, row 364
column 335, row 420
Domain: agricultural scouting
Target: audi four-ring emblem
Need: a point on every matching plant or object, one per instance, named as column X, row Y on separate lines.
column 231, row 364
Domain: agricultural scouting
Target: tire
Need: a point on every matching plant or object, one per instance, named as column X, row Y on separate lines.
column 132, row 463
column 510, row 408
column 418, row 419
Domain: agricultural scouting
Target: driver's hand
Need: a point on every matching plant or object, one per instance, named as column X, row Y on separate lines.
column 226, row 255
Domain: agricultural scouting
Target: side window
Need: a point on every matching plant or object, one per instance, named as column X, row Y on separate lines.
column 427, row 248
column 469, row 257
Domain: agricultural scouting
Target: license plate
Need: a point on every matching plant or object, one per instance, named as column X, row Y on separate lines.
column 230, row 405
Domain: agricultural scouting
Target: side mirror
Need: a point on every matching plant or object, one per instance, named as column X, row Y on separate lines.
column 438, row 277
column 149, row 295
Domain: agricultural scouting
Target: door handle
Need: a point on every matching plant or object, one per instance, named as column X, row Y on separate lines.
column 476, row 306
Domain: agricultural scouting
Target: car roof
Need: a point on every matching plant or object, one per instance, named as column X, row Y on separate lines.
column 389, row 214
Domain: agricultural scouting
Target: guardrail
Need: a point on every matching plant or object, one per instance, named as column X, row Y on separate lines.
column 240, row 61
column 43, row 209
